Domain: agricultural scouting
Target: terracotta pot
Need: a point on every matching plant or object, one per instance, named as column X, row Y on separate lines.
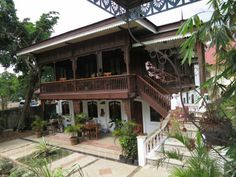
column 38, row 134
column 217, row 133
column 73, row 140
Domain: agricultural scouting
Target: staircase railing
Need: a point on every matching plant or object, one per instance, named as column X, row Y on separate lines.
column 154, row 139
column 156, row 85
column 147, row 143
column 153, row 93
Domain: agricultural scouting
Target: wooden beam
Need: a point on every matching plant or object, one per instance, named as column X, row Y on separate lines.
column 118, row 94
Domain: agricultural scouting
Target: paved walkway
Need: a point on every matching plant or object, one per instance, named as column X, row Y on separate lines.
column 93, row 165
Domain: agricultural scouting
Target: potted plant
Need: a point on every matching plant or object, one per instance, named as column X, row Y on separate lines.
column 38, row 126
column 73, row 130
column 128, row 141
column 81, row 118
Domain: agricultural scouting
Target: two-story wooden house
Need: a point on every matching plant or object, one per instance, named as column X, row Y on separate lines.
column 100, row 70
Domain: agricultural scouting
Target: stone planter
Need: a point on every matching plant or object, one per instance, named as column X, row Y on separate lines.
column 39, row 134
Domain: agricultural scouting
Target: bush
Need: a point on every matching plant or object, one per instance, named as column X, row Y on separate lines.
column 5, row 167
column 127, row 139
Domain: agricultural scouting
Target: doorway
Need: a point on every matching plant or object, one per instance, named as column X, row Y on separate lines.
column 138, row 114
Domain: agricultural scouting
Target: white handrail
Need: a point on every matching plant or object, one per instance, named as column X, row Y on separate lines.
column 154, row 138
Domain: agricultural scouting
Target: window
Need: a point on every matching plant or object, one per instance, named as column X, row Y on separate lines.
column 115, row 110
column 155, row 116
column 65, row 108
column 92, row 109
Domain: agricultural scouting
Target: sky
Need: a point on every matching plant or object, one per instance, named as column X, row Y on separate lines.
column 77, row 13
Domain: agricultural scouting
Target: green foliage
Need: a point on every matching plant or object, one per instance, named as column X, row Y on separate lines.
column 20, row 172
column 81, row 118
column 200, row 163
column 127, row 139
column 43, row 149
column 38, row 124
column 47, row 74
column 175, row 154
column 5, row 166
column 16, row 34
column 220, row 33
column 73, row 129
column 42, row 170
column 231, row 153
column 9, row 88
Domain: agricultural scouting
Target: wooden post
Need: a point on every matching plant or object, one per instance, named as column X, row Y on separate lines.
column 128, row 108
column 74, row 67
column 54, row 70
column 76, row 105
column 201, row 63
column 43, row 108
column 127, row 62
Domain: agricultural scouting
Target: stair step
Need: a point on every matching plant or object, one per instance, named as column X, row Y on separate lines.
column 168, row 163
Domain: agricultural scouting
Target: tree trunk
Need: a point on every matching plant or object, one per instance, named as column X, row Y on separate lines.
column 25, row 114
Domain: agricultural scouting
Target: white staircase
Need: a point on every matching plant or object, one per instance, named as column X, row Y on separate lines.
column 156, row 156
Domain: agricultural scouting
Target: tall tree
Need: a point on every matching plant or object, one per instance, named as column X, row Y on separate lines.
column 16, row 34
column 8, row 88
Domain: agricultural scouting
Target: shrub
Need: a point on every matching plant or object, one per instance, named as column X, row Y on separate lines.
column 127, row 139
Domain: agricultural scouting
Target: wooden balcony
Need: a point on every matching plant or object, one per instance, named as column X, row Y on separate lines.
column 109, row 87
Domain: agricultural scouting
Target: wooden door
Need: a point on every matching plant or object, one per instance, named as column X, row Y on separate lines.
column 138, row 114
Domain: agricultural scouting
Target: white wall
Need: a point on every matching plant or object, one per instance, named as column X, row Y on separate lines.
column 104, row 120
column 68, row 119
column 148, row 125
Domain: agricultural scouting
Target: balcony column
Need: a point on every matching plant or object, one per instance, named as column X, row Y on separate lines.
column 43, row 108
column 128, row 105
column 76, row 105
column 74, row 66
column 127, row 58
column 127, row 62
column 99, row 61
column 54, row 70
column 201, row 63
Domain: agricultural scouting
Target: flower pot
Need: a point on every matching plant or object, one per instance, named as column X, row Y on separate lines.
column 73, row 140
column 217, row 133
column 38, row 134
column 135, row 161
column 122, row 159
column 129, row 161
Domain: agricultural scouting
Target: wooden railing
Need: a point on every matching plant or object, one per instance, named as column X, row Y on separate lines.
column 58, row 86
column 117, row 82
column 145, row 88
column 156, row 85
column 157, row 137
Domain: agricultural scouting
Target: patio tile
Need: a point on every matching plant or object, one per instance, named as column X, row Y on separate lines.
column 20, row 152
column 108, row 168
column 13, row 144
column 69, row 161
column 152, row 171
column 105, row 171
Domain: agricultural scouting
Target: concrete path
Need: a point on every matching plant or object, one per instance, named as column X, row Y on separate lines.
column 92, row 165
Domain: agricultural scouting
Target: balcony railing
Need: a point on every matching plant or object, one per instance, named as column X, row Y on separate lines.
column 117, row 82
